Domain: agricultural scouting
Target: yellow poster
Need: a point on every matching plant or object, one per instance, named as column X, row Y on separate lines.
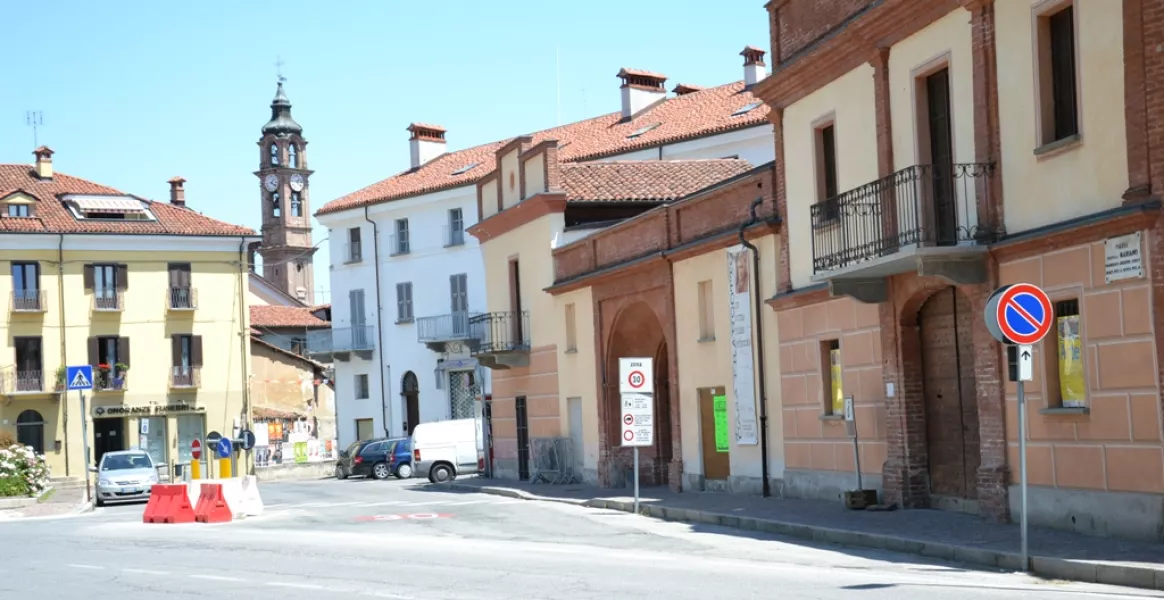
column 838, row 393
column 1072, row 388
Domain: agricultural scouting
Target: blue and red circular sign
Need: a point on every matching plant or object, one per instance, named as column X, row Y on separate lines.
column 1024, row 313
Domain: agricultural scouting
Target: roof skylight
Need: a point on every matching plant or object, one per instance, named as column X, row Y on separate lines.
column 743, row 110
column 465, row 169
column 641, row 130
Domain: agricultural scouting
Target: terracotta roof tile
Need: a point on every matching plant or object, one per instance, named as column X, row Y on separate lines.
column 685, row 117
column 273, row 315
column 51, row 215
column 644, row 180
column 288, row 353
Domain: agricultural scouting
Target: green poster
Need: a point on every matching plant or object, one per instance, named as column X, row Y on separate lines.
column 300, row 452
column 719, row 409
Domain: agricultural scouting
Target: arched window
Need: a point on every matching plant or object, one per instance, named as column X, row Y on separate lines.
column 30, row 430
column 410, row 385
column 293, row 154
column 296, row 205
column 274, row 155
column 276, row 205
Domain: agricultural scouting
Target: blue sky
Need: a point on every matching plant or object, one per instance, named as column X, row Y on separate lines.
column 134, row 93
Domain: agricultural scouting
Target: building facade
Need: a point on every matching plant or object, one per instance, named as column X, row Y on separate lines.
column 912, row 187
column 413, row 227
column 151, row 294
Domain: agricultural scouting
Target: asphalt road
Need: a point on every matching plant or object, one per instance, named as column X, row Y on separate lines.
column 406, row 540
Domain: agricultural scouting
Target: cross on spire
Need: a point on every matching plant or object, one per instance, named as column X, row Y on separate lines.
column 279, row 69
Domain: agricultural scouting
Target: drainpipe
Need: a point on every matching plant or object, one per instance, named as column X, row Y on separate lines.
column 244, row 336
column 385, row 407
column 767, row 489
column 64, row 398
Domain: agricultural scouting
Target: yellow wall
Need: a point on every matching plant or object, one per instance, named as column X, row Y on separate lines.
column 850, row 100
column 576, row 368
column 530, row 244
column 508, row 181
column 1088, row 177
column 709, row 363
column 148, row 324
column 534, row 172
column 488, row 196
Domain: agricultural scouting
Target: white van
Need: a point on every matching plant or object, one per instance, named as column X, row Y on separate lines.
column 442, row 450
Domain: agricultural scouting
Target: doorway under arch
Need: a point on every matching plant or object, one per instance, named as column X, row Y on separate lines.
column 30, row 430
column 410, row 391
column 637, row 332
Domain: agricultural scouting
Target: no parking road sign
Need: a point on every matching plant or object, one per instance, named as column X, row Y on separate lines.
column 1019, row 314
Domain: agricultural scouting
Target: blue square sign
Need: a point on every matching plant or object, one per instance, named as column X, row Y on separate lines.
column 79, row 377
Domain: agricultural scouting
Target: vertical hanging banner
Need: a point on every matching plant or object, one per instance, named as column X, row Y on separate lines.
column 1072, row 387
column 743, row 367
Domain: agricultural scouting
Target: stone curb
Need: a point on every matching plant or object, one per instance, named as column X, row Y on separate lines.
column 15, row 503
column 1053, row 568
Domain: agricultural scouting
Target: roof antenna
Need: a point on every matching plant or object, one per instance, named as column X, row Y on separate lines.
column 34, row 119
column 279, row 69
column 558, row 80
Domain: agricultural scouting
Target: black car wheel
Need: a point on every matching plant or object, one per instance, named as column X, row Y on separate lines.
column 339, row 472
column 381, row 471
column 440, row 474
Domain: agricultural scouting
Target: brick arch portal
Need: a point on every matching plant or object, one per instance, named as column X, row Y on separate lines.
column 636, row 332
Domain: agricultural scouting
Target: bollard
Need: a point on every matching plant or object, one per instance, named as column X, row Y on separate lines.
column 224, row 468
column 195, row 469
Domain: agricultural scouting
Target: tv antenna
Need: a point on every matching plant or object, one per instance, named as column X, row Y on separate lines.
column 34, row 119
column 279, row 69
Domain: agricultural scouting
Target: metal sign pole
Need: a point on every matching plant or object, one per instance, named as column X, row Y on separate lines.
column 636, row 480
column 1022, row 426
column 85, row 444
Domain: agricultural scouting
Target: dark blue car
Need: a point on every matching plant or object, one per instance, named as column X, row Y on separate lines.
column 400, row 458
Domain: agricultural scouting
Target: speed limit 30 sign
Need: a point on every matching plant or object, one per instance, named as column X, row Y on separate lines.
column 636, row 376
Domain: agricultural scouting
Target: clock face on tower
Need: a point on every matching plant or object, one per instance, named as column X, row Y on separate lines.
column 297, row 182
column 271, row 183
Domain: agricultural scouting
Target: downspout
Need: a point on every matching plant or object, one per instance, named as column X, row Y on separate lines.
column 61, row 318
column 385, row 409
column 767, row 489
column 244, row 337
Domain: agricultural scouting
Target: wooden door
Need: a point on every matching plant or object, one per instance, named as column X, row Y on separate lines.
column 716, row 456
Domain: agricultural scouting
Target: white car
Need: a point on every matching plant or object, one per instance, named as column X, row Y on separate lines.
column 124, row 476
column 445, row 449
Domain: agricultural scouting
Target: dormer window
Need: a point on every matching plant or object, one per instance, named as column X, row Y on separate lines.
column 293, row 156
column 274, row 155
column 17, row 204
column 19, row 210
column 107, row 208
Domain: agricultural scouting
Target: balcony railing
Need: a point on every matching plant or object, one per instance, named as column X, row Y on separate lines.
column 342, row 341
column 108, row 301
column 353, row 252
column 28, row 300
column 441, row 329
column 500, row 332
column 454, row 236
column 181, row 298
column 110, row 380
column 922, row 205
column 21, row 381
column 185, row 377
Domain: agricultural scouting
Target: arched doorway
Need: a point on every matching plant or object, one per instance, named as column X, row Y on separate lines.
column 636, row 332
column 30, row 430
column 410, row 390
column 945, row 325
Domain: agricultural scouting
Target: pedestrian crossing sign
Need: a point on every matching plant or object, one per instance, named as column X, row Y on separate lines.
column 79, row 377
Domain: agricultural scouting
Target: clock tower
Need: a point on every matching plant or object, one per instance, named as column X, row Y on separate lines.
column 287, row 249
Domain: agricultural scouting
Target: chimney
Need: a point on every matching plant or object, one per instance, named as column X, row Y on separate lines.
column 754, row 68
column 683, row 89
column 427, row 142
column 640, row 91
column 177, row 192
column 44, row 163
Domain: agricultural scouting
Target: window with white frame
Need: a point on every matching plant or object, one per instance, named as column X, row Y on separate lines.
column 401, row 242
column 404, row 302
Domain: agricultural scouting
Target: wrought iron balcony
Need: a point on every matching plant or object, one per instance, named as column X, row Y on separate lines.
column 500, row 340
column 181, row 298
column 341, row 342
column 182, row 377
column 21, row 381
column 108, row 301
column 436, row 332
column 29, row 301
column 110, row 379
column 922, row 218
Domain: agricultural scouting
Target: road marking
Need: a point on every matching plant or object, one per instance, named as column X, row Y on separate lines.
column 94, row 567
column 371, row 504
column 386, row 595
column 511, row 502
column 215, row 577
column 146, row 571
column 474, row 502
column 302, row 586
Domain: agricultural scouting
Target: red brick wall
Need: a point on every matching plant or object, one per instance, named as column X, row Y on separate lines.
column 798, row 23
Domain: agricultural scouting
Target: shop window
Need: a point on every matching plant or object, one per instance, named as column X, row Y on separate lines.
column 706, row 312
column 190, row 428
column 571, row 329
column 1063, row 352
column 832, row 376
column 1057, row 73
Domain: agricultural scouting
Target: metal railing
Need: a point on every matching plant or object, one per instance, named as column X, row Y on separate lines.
column 500, row 332
column 353, row 252
column 28, row 300
column 182, row 298
column 185, row 377
column 923, row 205
column 110, row 380
column 108, row 300
column 341, row 339
column 445, row 328
column 14, row 380
column 454, row 236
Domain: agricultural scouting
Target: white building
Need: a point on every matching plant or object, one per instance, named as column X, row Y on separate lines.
column 402, row 336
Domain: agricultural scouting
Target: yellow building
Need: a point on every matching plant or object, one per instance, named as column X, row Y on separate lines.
column 152, row 294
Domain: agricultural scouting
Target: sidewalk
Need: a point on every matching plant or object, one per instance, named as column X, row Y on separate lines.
column 937, row 534
column 62, row 502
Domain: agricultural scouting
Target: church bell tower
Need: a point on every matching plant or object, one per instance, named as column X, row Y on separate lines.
column 287, row 249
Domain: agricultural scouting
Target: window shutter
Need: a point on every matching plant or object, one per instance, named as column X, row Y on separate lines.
column 176, row 350
column 123, row 350
column 93, row 354
column 400, row 302
column 196, row 351
column 122, row 278
column 88, row 278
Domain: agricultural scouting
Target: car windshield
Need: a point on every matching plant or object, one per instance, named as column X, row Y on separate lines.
column 121, row 462
column 351, row 448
